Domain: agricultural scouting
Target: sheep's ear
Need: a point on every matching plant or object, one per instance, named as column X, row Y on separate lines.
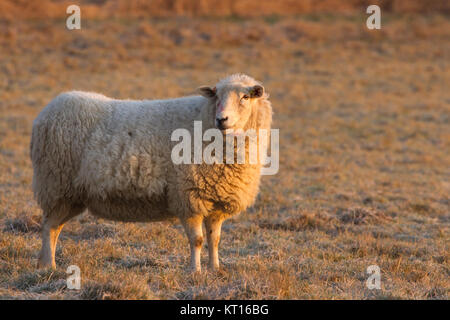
column 207, row 92
column 256, row 91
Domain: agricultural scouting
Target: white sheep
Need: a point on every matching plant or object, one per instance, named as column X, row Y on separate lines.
column 113, row 157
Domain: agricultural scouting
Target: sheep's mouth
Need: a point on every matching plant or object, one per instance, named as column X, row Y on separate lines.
column 232, row 131
column 225, row 130
column 222, row 127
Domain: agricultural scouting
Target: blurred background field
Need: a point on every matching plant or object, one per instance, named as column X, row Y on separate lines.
column 245, row 8
column 364, row 145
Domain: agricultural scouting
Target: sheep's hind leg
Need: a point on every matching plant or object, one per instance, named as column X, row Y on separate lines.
column 213, row 226
column 51, row 228
column 193, row 228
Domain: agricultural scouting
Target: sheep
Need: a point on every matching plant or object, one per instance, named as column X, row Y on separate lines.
column 113, row 158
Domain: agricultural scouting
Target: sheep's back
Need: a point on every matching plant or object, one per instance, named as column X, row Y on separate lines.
column 128, row 155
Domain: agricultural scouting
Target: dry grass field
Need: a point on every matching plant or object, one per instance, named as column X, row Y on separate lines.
column 364, row 179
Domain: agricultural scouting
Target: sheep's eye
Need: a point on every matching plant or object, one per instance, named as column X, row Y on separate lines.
column 245, row 97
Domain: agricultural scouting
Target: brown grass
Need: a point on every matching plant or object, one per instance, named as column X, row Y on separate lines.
column 364, row 118
column 13, row 9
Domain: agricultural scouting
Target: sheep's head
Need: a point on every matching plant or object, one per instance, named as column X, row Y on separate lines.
column 235, row 99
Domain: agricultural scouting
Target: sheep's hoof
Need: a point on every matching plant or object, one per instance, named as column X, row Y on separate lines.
column 213, row 268
column 195, row 269
column 218, row 271
column 43, row 264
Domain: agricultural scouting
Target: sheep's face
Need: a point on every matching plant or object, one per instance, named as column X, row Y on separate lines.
column 234, row 104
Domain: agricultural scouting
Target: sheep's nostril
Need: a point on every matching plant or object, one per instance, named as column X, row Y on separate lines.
column 222, row 120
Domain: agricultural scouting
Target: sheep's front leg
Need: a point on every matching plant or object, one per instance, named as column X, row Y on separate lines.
column 193, row 228
column 213, row 226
